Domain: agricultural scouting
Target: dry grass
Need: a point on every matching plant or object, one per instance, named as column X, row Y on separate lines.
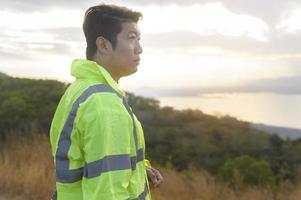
column 27, row 169
column 195, row 185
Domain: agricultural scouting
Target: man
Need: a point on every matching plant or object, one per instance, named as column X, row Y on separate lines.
column 97, row 142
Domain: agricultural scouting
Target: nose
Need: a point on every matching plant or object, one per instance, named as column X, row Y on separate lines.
column 138, row 49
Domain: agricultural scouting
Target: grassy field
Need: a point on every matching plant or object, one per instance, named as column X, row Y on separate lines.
column 27, row 172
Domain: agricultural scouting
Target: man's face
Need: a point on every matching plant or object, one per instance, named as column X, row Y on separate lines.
column 126, row 56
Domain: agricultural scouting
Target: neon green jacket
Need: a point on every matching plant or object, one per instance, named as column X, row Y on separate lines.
column 97, row 142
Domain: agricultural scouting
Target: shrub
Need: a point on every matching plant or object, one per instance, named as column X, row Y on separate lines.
column 247, row 170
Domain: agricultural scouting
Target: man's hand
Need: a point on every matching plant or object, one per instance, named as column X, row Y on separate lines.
column 155, row 176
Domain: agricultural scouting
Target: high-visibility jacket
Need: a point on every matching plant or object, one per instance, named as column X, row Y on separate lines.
column 96, row 140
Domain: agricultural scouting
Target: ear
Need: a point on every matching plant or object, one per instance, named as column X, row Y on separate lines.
column 103, row 45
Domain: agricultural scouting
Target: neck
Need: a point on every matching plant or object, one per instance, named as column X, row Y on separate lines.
column 108, row 67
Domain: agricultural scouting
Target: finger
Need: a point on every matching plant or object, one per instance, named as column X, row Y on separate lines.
column 152, row 176
column 159, row 178
column 157, row 174
column 159, row 181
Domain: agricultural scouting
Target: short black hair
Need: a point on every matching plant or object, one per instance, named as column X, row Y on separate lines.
column 105, row 20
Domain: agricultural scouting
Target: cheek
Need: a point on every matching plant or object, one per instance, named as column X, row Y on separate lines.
column 126, row 55
column 127, row 49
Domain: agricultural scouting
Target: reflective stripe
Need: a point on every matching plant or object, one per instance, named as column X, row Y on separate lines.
column 112, row 163
column 138, row 158
column 141, row 196
column 69, row 175
column 93, row 169
column 125, row 103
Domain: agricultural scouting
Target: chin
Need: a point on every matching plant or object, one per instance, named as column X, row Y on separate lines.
column 134, row 69
column 131, row 72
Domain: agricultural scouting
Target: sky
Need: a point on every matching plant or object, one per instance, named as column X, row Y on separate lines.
column 191, row 47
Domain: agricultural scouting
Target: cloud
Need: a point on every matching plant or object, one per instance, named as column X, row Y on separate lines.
column 12, row 55
column 30, row 50
column 45, row 5
column 284, row 86
column 73, row 34
column 70, row 40
column 271, row 11
column 278, row 42
column 60, row 41
column 38, row 5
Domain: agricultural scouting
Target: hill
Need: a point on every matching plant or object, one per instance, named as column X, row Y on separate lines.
column 27, row 104
column 283, row 132
column 2, row 75
column 179, row 139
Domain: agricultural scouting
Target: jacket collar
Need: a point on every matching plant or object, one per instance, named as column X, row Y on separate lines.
column 87, row 69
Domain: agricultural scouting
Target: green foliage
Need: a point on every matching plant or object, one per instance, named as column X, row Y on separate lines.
column 179, row 139
column 191, row 139
column 27, row 104
column 247, row 170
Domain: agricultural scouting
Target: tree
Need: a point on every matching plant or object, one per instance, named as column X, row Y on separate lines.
column 247, row 170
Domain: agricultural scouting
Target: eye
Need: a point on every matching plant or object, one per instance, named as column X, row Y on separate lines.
column 132, row 36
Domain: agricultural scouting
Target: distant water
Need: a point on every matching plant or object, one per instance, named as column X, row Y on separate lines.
column 267, row 108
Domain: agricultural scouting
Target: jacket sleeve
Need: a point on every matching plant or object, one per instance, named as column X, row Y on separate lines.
column 106, row 145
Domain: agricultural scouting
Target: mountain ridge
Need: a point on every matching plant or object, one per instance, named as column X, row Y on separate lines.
column 283, row 132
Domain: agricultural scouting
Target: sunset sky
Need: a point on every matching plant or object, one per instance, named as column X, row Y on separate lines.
column 191, row 48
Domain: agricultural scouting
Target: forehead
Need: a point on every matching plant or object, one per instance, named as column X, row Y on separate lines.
column 129, row 27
